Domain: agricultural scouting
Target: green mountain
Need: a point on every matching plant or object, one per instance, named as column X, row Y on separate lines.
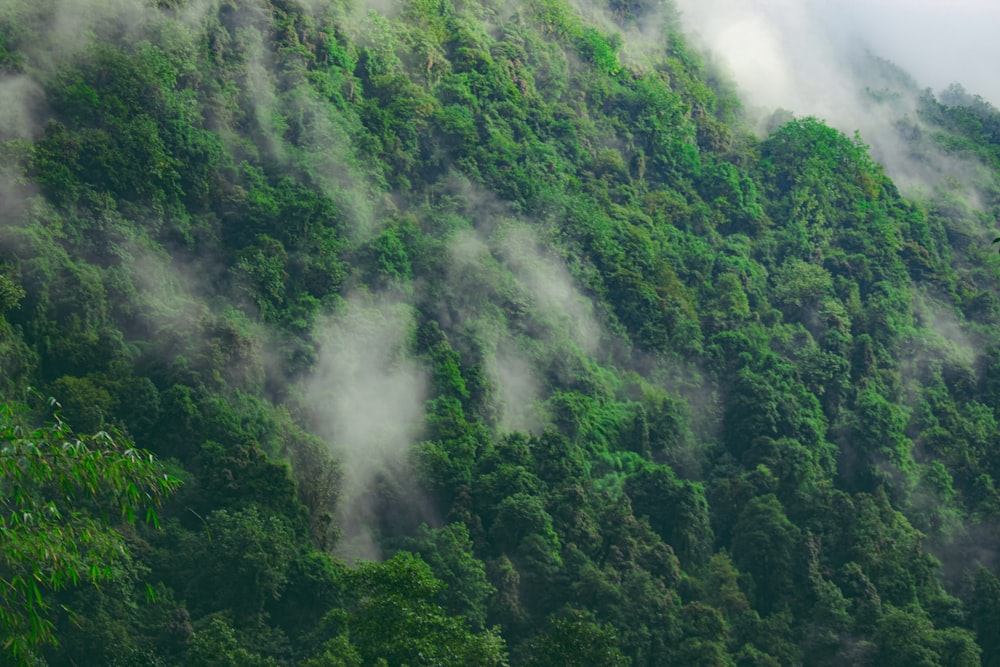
column 432, row 332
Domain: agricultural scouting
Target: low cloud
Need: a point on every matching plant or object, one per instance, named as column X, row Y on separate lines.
column 20, row 100
column 841, row 62
column 366, row 397
column 544, row 276
column 513, row 296
column 795, row 53
column 477, row 279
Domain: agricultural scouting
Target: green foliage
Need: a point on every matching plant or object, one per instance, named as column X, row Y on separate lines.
column 764, row 546
column 10, row 294
column 907, row 638
column 62, row 496
column 600, row 50
column 676, row 510
column 688, row 397
column 448, row 551
column 984, row 608
column 243, row 559
column 217, row 646
column 261, row 270
column 396, row 620
column 575, row 641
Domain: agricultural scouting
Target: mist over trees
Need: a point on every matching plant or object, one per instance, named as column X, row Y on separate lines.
column 484, row 333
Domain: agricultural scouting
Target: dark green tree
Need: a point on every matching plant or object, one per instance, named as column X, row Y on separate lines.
column 575, row 640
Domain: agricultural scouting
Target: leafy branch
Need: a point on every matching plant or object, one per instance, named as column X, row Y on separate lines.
column 58, row 494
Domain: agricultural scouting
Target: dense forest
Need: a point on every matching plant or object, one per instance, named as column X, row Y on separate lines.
column 481, row 332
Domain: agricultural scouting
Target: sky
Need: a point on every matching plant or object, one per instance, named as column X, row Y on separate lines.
column 940, row 42
column 786, row 53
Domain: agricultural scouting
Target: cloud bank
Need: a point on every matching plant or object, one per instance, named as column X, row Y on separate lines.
column 825, row 59
column 796, row 54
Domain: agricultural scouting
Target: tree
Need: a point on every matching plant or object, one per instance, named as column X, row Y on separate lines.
column 448, row 551
column 764, row 543
column 676, row 509
column 10, row 294
column 985, row 614
column 60, row 495
column 243, row 560
column 396, row 620
column 576, row 640
column 705, row 636
column 218, row 646
column 905, row 638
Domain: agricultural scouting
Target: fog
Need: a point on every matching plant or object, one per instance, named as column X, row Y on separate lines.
column 796, row 53
column 824, row 58
column 366, row 397
column 938, row 41
column 504, row 258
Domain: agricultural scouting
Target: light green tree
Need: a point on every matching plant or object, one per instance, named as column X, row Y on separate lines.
column 61, row 494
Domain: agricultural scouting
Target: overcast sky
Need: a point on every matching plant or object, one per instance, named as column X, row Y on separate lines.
column 787, row 52
column 939, row 41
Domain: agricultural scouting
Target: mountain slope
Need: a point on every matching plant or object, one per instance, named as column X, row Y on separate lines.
column 507, row 303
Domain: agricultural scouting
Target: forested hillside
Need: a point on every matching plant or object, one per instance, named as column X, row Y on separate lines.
column 434, row 332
